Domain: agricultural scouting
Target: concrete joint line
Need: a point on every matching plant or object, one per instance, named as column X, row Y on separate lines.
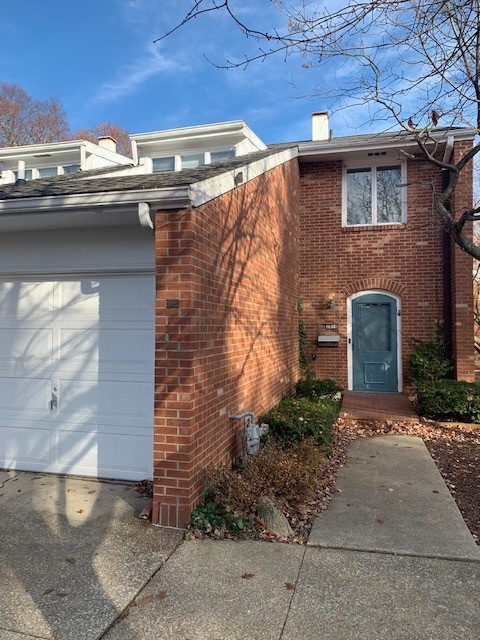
column 293, row 594
column 397, row 554
column 124, row 612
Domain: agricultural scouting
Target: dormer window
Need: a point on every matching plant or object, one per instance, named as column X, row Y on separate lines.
column 163, row 164
column 28, row 175
column 47, row 172
column 192, row 160
column 71, row 168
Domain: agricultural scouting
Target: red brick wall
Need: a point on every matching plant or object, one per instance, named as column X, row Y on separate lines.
column 226, row 328
column 403, row 259
column 462, row 278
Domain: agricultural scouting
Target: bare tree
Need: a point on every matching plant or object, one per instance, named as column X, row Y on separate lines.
column 24, row 120
column 417, row 60
column 120, row 135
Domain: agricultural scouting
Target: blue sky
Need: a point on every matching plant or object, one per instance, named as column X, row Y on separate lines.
column 98, row 57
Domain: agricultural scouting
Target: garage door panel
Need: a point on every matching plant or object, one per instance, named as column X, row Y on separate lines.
column 24, row 298
column 106, row 400
column 20, row 396
column 108, row 348
column 106, row 295
column 87, row 453
column 22, row 446
column 26, row 346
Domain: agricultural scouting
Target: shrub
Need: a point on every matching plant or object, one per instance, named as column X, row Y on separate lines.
column 295, row 419
column 428, row 361
column 313, row 388
column 449, row 399
column 291, row 475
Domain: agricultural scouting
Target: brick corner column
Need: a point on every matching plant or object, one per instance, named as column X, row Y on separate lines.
column 174, row 374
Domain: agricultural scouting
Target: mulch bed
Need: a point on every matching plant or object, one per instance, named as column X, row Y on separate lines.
column 454, row 447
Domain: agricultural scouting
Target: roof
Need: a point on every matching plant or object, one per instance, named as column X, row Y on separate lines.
column 111, row 179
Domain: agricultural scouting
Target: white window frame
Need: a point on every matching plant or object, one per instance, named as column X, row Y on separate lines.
column 373, row 165
column 207, row 157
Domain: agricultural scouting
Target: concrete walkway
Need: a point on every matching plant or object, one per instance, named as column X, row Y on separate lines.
column 391, row 559
column 377, row 406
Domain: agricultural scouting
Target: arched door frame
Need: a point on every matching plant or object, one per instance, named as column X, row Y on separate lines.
column 399, row 334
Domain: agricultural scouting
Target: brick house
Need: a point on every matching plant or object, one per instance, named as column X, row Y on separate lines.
column 144, row 305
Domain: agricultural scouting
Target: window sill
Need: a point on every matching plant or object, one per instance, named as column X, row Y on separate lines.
column 397, row 226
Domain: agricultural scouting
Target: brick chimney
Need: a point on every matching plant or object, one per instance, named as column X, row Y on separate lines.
column 320, row 126
column 107, row 142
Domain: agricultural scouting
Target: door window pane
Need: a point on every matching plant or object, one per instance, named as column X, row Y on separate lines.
column 359, row 196
column 389, row 197
column 374, row 327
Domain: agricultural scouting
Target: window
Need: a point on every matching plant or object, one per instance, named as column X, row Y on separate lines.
column 28, row 174
column 47, row 172
column 71, row 168
column 373, row 195
column 224, row 154
column 160, row 165
column 193, row 160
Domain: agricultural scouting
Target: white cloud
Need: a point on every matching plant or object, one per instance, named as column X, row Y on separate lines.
column 132, row 76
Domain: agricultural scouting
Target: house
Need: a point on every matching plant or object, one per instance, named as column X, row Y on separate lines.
column 143, row 305
column 56, row 159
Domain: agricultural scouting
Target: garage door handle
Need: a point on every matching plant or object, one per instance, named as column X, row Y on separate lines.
column 53, row 402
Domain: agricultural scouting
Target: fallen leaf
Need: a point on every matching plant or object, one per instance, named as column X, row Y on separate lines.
column 48, row 590
column 380, row 520
column 161, row 596
column 62, row 594
column 144, row 601
column 87, row 487
column 71, row 560
column 71, row 490
column 80, row 511
column 435, row 491
column 289, row 586
column 247, row 576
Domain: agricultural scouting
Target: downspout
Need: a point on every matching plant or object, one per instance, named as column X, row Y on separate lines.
column 447, row 262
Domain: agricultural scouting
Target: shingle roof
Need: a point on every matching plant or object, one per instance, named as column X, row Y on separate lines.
column 92, row 181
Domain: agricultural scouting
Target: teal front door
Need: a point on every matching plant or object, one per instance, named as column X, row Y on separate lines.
column 374, row 343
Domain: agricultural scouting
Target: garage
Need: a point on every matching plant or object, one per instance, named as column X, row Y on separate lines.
column 77, row 351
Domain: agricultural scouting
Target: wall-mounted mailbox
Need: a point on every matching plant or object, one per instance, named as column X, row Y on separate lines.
column 328, row 341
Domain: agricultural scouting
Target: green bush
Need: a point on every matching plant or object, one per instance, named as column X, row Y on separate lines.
column 428, row 361
column 295, row 419
column 313, row 388
column 450, row 400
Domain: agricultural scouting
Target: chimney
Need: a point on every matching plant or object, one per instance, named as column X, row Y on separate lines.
column 107, row 142
column 320, row 126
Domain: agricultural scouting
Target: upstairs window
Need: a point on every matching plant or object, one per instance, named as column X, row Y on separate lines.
column 71, row 168
column 193, row 160
column 374, row 195
column 47, row 172
column 28, row 174
column 224, row 154
column 161, row 165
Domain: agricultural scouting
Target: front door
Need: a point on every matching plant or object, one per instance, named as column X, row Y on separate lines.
column 374, row 343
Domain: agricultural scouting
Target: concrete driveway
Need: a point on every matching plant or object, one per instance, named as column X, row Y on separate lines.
column 73, row 555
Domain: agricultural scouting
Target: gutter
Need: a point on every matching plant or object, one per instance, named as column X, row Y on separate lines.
column 447, row 262
column 176, row 198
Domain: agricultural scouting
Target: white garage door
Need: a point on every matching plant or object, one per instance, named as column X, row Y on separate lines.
column 76, row 374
